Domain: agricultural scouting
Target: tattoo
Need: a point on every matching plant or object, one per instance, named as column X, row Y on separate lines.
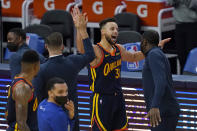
column 21, row 94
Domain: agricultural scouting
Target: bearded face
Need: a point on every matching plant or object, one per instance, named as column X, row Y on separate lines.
column 111, row 39
column 110, row 32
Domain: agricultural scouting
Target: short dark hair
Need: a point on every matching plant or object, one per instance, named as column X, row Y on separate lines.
column 55, row 39
column 151, row 36
column 19, row 32
column 55, row 80
column 30, row 57
column 105, row 21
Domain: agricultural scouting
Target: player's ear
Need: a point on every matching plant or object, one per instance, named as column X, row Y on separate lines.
column 20, row 38
column 103, row 30
column 49, row 93
column 145, row 42
column 62, row 48
column 35, row 66
column 46, row 46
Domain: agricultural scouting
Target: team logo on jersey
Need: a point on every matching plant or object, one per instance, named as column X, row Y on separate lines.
column 101, row 101
column 107, row 55
column 111, row 66
column 118, row 53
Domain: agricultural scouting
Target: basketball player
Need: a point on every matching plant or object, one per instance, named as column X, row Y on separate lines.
column 22, row 102
column 108, row 105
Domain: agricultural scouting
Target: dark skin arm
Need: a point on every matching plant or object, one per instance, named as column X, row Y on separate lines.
column 21, row 94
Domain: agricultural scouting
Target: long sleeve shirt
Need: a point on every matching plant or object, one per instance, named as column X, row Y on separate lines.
column 157, row 83
column 182, row 13
column 15, row 60
column 66, row 68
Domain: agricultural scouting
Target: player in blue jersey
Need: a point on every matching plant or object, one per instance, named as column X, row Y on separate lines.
column 51, row 115
column 108, row 105
column 22, row 101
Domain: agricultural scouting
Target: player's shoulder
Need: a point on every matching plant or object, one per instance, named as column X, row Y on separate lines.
column 22, row 89
column 49, row 109
column 156, row 53
column 21, row 84
column 97, row 50
column 15, row 56
column 119, row 46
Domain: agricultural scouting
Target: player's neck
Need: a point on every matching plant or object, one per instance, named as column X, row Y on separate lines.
column 52, row 101
column 105, row 44
column 148, row 48
column 22, row 43
column 26, row 76
column 54, row 53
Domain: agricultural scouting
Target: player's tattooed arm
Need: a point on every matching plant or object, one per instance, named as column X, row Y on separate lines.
column 21, row 95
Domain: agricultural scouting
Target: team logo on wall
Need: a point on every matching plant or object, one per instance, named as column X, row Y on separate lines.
column 133, row 48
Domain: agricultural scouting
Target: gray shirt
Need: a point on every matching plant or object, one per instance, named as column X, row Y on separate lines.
column 182, row 13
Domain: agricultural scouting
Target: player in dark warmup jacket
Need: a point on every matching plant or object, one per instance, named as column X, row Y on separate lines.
column 22, row 101
column 161, row 103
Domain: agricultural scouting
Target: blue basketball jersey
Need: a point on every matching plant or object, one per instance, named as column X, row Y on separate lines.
column 105, row 77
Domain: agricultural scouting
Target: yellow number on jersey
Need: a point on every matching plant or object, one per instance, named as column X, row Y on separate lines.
column 9, row 91
column 35, row 106
column 117, row 73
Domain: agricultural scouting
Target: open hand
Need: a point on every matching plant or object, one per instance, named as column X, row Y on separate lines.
column 163, row 42
column 70, row 107
column 154, row 116
column 80, row 20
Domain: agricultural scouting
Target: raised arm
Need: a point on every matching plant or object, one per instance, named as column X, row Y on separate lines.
column 137, row 56
column 80, row 46
column 21, row 95
column 130, row 57
column 82, row 35
column 76, row 15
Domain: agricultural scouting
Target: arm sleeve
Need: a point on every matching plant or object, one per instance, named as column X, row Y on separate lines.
column 38, row 83
column 71, row 123
column 173, row 2
column 82, row 60
column 15, row 65
column 42, row 59
column 158, row 70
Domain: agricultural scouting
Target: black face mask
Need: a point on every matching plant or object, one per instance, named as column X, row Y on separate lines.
column 12, row 47
column 61, row 100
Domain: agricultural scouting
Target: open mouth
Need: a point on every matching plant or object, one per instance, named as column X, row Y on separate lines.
column 114, row 38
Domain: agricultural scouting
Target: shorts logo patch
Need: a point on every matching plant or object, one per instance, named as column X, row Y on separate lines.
column 101, row 101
